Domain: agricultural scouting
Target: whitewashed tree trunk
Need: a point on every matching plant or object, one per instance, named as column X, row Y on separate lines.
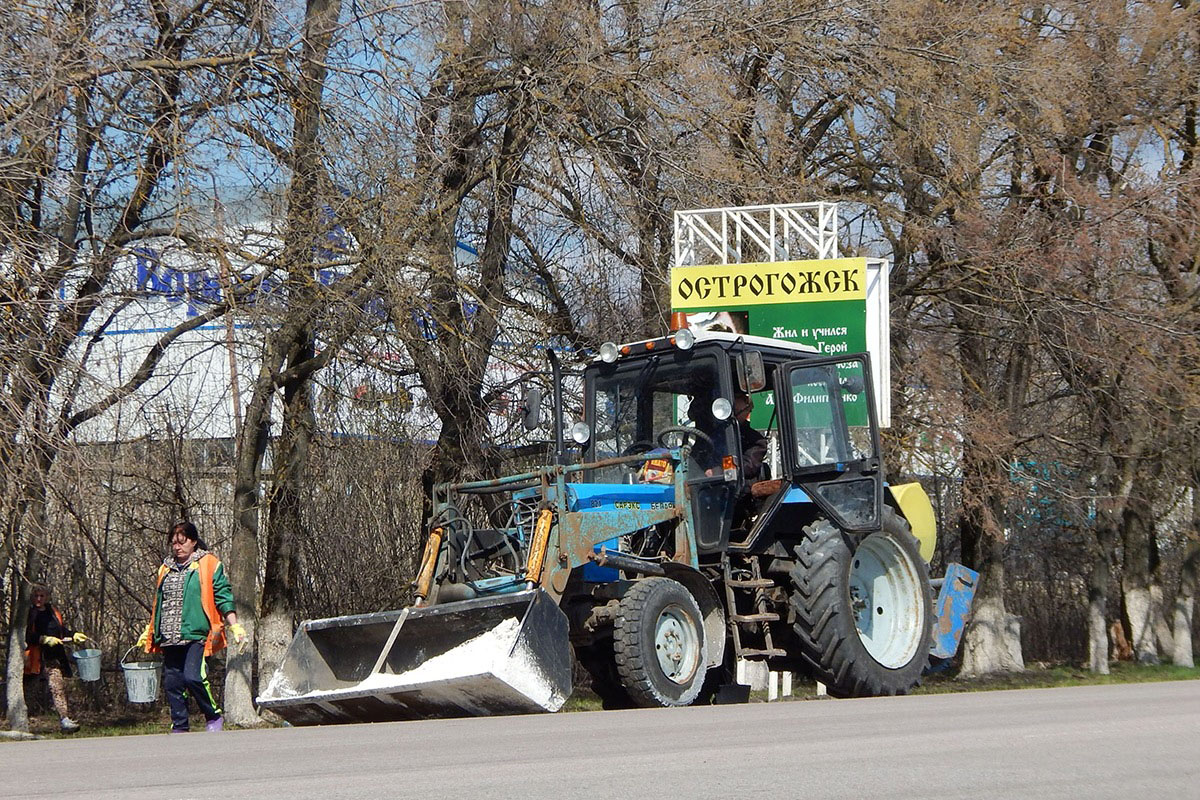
column 274, row 635
column 1099, row 581
column 1138, row 609
column 1098, row 636
column 1185, row 604
column 18, row 712
column 1164, row 639
column 15, row 703
column 992, row 642
column 239, row 693
column 1182, row 656
column 243, row 573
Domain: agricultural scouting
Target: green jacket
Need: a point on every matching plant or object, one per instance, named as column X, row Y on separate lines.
column 196, row 623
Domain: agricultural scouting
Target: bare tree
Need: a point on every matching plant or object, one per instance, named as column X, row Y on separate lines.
column 100, row 106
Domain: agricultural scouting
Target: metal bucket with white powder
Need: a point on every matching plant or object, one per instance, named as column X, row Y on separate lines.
column 506, row 654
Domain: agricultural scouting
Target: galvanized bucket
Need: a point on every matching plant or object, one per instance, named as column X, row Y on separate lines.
column 507, row 654
column 141, row 679
column 87, row 664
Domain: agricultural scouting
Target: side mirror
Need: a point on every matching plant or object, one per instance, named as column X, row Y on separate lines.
column 852, row 384
column 531, row 408
column 751, row 374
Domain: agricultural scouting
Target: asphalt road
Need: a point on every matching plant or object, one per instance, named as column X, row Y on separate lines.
column 1131, row 742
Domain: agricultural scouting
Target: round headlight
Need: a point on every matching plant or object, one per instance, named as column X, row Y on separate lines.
column 608, row 352
column 722, row 408
column 581, row 432
column 684, row 339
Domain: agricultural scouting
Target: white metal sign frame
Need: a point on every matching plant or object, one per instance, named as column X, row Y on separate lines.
column 789, row 232
column 747, row 234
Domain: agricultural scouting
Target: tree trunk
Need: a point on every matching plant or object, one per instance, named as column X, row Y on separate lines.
column 243, row 563
column 1098, row 584
column 284, row 521
column 1164, row 638
column 1136, row 531
column 1138, row 611
column 303, row 230
column 239, row 688
column 1158, row 616
column 454, row 366
column 31, row 508
column 275, row 631
column 992, row 642
column 18, row 711
column 1185, row 604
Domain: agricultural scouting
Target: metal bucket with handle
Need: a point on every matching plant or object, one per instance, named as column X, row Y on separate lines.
column 87, row 664
column 141, row 678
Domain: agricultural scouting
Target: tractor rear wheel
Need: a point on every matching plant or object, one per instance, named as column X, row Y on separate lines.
column 658, row 644
column 863, row 614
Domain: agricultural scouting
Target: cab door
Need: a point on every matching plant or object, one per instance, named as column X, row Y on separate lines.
column 830, row 437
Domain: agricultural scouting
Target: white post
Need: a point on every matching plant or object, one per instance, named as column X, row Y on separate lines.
column 786, row 689
column 821, row 690
column 772, row 686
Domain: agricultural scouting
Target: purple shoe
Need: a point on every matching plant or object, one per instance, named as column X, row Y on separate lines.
column 178, row 730
column 217, row 724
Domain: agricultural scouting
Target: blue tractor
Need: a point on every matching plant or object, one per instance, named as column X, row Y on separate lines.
column 680, row 540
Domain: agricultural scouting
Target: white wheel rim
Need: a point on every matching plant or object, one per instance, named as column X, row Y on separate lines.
column 886, row 595
column 677, row 645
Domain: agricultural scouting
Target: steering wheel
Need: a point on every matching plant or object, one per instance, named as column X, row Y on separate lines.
column 637, row 447
column 696, row 434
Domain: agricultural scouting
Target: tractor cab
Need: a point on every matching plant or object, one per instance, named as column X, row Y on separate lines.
column 673, row 399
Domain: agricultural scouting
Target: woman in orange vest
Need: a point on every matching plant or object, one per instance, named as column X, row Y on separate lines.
column 45, row 654
column 192, row 607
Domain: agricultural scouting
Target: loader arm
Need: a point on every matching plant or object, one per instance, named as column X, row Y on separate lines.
column 576, row 534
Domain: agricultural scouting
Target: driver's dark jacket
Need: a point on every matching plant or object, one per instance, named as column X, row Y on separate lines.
column 754, row 450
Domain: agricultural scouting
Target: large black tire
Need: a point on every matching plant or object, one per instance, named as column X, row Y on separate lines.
column 658, row 644
column 863, row 615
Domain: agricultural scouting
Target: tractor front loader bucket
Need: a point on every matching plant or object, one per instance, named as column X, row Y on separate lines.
column 504, row 654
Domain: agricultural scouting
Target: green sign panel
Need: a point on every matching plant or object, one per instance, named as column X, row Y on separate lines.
column 820, row 303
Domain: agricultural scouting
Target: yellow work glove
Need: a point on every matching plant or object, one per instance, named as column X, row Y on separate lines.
column 238, row 633
column 144, row 640
column 79, row 637
column 51, row 641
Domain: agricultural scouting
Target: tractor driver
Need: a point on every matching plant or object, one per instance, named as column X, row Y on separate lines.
column 753, row 444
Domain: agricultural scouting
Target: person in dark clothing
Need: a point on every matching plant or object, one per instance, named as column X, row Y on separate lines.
column 45, row 654
column 754, row 454
column 753, row 443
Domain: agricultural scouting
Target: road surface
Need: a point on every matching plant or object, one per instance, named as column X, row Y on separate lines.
column 1133, row 742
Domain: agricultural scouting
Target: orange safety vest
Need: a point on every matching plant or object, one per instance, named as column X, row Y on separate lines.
column 206, row 565
column 33, row 653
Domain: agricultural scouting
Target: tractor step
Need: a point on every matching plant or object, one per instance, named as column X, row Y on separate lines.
column 752, row 583
column 765, row 616
column 750, row 653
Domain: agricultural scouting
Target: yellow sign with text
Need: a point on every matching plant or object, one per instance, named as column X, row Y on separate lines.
column 740, row 285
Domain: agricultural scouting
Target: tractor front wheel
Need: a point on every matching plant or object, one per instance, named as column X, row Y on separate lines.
column 658, row 644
